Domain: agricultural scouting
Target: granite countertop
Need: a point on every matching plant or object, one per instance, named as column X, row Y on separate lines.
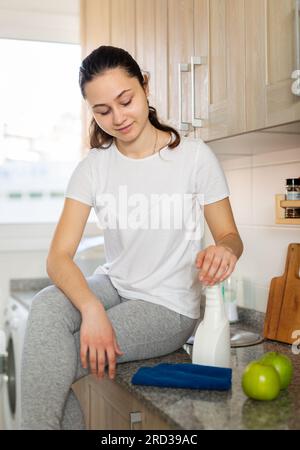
column 199, row 409
column 190, row 409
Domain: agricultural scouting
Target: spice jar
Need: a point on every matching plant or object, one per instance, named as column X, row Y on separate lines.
column 292, row 193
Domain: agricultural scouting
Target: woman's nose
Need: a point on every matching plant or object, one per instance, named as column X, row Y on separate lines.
column 118, row 117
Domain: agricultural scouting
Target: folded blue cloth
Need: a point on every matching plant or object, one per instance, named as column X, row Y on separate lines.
column 187, row 375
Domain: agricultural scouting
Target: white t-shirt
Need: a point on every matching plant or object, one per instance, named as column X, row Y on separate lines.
column 152, row 219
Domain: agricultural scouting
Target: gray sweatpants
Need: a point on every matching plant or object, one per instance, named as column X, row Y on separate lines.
column 51, row 353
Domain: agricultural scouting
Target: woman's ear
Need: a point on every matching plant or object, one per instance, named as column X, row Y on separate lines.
column 146, row 77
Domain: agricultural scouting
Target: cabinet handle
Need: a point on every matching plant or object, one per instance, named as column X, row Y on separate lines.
column 296, row 73
column 196, row 61
column 135, row 417
column 184, row 126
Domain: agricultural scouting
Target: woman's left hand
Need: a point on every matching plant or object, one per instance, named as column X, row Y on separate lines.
column 216, row 263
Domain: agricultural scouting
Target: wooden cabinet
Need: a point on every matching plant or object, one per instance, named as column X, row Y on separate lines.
column 220, row 84
column 109, row 406
column 217, row 67
column 180, row 48
column 151, row 51
column 250, row 46
column 270, row 62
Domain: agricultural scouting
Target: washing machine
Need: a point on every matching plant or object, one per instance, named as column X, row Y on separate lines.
column 15, row 318
column 89, row 255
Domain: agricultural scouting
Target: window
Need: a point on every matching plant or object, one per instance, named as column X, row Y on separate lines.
column 40, row 127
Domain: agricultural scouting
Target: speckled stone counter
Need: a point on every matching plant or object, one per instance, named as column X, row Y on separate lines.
column 190, row 409
column 199, row 409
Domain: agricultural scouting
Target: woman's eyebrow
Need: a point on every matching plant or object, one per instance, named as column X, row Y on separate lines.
column 103, row 104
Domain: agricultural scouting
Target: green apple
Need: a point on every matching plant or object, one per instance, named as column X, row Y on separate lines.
column 282, row 364
column 260, row 381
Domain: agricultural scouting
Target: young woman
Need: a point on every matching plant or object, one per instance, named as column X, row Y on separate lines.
column 144, row 301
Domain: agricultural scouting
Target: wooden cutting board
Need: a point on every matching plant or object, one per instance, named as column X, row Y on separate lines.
column 283, row 310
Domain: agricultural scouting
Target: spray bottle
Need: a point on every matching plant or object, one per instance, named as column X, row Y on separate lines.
column 212, row 338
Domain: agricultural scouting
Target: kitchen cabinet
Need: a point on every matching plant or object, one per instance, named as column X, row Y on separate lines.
column 151, row 49
column 180, row 41
column 220, row 89
column 270, row 61
column 217, row 68
column 250, row 47
column 109, row 406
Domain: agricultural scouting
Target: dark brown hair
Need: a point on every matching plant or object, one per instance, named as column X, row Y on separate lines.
column 96, row 63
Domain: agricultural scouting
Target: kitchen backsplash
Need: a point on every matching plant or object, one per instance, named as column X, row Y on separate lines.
column 253, row 182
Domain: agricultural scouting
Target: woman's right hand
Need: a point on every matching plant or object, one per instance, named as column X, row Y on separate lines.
column 97, row 337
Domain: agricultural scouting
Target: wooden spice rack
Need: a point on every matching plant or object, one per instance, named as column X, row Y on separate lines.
column 281, row 204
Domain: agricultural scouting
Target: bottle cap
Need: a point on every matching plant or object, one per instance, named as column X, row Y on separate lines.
column 293, row 181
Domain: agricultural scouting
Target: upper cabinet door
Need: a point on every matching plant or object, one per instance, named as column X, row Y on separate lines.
column 151, row 36
column 122, row 25
column 270, row 61
column 95, row 30
column 94, row 24
column 251, row 51
column 180, row 50
column 220, row 83
column 107, row 22
column 282, row 104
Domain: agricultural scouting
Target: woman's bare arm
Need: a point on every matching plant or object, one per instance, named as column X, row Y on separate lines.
column 217, row 262
column 98, row 341
column 219, row 218
column 60, row 265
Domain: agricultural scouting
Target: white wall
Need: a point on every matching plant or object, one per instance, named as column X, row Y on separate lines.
column 51, row 20
column 253, row 183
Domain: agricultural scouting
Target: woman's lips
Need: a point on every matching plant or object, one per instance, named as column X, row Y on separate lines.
column 124, row 130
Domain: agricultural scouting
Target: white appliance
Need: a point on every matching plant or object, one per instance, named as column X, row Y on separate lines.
column 89, row 255
column 15, row 318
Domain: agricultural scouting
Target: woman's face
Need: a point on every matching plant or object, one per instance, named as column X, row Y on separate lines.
column 117, row 101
